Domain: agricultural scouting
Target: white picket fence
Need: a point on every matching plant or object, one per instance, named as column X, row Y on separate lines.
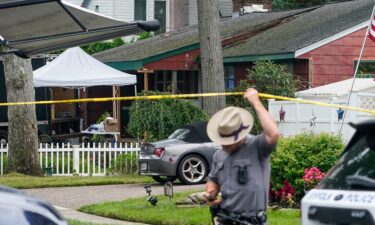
column 84, row 160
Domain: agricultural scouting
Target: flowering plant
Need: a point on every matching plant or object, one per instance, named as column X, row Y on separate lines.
column 312, row 177
column 285, row 196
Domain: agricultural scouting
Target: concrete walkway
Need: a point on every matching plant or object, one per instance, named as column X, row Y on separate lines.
column 68, row 199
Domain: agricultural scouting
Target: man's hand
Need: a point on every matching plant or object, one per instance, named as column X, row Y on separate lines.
column 211, row 199
column 266, row 121
column 212, row 191
column 252, row 96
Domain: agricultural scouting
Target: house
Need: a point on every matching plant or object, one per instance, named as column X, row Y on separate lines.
column 172, row 14
column 319, row 44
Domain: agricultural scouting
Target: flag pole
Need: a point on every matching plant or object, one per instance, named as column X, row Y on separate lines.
column 357, row 66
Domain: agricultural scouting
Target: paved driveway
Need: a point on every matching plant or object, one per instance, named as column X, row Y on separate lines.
column 75, row 197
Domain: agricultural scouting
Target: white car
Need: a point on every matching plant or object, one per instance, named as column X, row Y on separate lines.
column 18, row 208
column 346, row 196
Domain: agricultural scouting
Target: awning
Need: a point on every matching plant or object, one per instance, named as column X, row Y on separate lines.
column 74, row 68
column 38, row 26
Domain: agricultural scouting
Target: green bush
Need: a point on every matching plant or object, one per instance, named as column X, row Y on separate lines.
column 160, row 118
column 269, row 78
column 293, row 155
column 125, row 163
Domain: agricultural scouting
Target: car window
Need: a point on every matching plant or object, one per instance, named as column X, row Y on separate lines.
column 37, row 219
column 355, row 170
column 180, row 134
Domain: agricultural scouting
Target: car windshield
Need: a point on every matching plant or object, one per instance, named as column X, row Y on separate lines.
column 179, row 134
column 355, row 170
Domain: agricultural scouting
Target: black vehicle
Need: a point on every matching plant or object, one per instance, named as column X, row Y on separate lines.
column 347, row 194
column 42, row 111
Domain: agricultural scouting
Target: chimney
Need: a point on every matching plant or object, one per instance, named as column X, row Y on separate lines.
column 241, row 7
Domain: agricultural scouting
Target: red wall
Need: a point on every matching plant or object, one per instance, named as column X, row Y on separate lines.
column 184, row 61
column 335, row 61
column 240, row 71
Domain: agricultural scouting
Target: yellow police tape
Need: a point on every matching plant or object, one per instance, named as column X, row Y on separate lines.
column 158, row 97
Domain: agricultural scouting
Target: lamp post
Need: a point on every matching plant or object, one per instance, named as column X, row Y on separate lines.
column 168, row 189
column 148, row 189
column 151, row 199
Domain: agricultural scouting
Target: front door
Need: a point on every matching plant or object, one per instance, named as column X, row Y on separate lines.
column 161, row 15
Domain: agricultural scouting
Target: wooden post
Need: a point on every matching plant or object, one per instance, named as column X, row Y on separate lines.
column 145, row 72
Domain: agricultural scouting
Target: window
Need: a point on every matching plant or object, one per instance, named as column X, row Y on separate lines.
column 366, row 69
column 229, row 77
column 187, row 81
column 139, row 9
column 355, row 169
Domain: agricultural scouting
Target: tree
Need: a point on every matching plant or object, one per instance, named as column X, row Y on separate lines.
column 212, row 69
column 22, row 128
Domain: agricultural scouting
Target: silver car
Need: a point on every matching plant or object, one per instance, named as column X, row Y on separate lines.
column 186, row 154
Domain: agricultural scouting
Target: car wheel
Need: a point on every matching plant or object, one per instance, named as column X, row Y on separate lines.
column 192, row 169
column 163, row 179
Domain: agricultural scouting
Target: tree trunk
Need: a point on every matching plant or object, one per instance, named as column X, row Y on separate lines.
column 211, row 54
column 22, row 129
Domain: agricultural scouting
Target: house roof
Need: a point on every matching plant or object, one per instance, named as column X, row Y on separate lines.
column 188, row 36
column 305, row 29
column 340, row 88
column 274, row 33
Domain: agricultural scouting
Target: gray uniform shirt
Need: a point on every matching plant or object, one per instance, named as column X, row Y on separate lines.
column 254, row 157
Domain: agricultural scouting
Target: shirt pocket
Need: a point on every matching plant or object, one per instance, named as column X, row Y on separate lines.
column 242, row 169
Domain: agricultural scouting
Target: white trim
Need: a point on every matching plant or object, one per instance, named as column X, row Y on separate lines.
column 330, row 39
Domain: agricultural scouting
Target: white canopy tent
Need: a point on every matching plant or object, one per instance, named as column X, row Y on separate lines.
column 76, row 69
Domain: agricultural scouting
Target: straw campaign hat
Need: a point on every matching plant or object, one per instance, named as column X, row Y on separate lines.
column 229, row 125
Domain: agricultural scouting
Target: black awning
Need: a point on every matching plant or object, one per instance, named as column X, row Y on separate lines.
column 32, row 27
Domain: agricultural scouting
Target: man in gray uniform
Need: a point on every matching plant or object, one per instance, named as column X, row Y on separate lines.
column 241, row 169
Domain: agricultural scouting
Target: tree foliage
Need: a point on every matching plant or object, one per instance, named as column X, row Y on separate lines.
column 161, row 117
column 102, row 46
column 105, row 45
column 266, row 77
column 297, row 4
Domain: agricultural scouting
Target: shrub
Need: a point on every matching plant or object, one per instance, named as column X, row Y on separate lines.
column 293, row 155
column 160, row 118
column 125, row 163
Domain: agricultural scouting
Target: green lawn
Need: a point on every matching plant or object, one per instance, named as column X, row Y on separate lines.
column 166, row 212
column 23, row 182
column 76, row 222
